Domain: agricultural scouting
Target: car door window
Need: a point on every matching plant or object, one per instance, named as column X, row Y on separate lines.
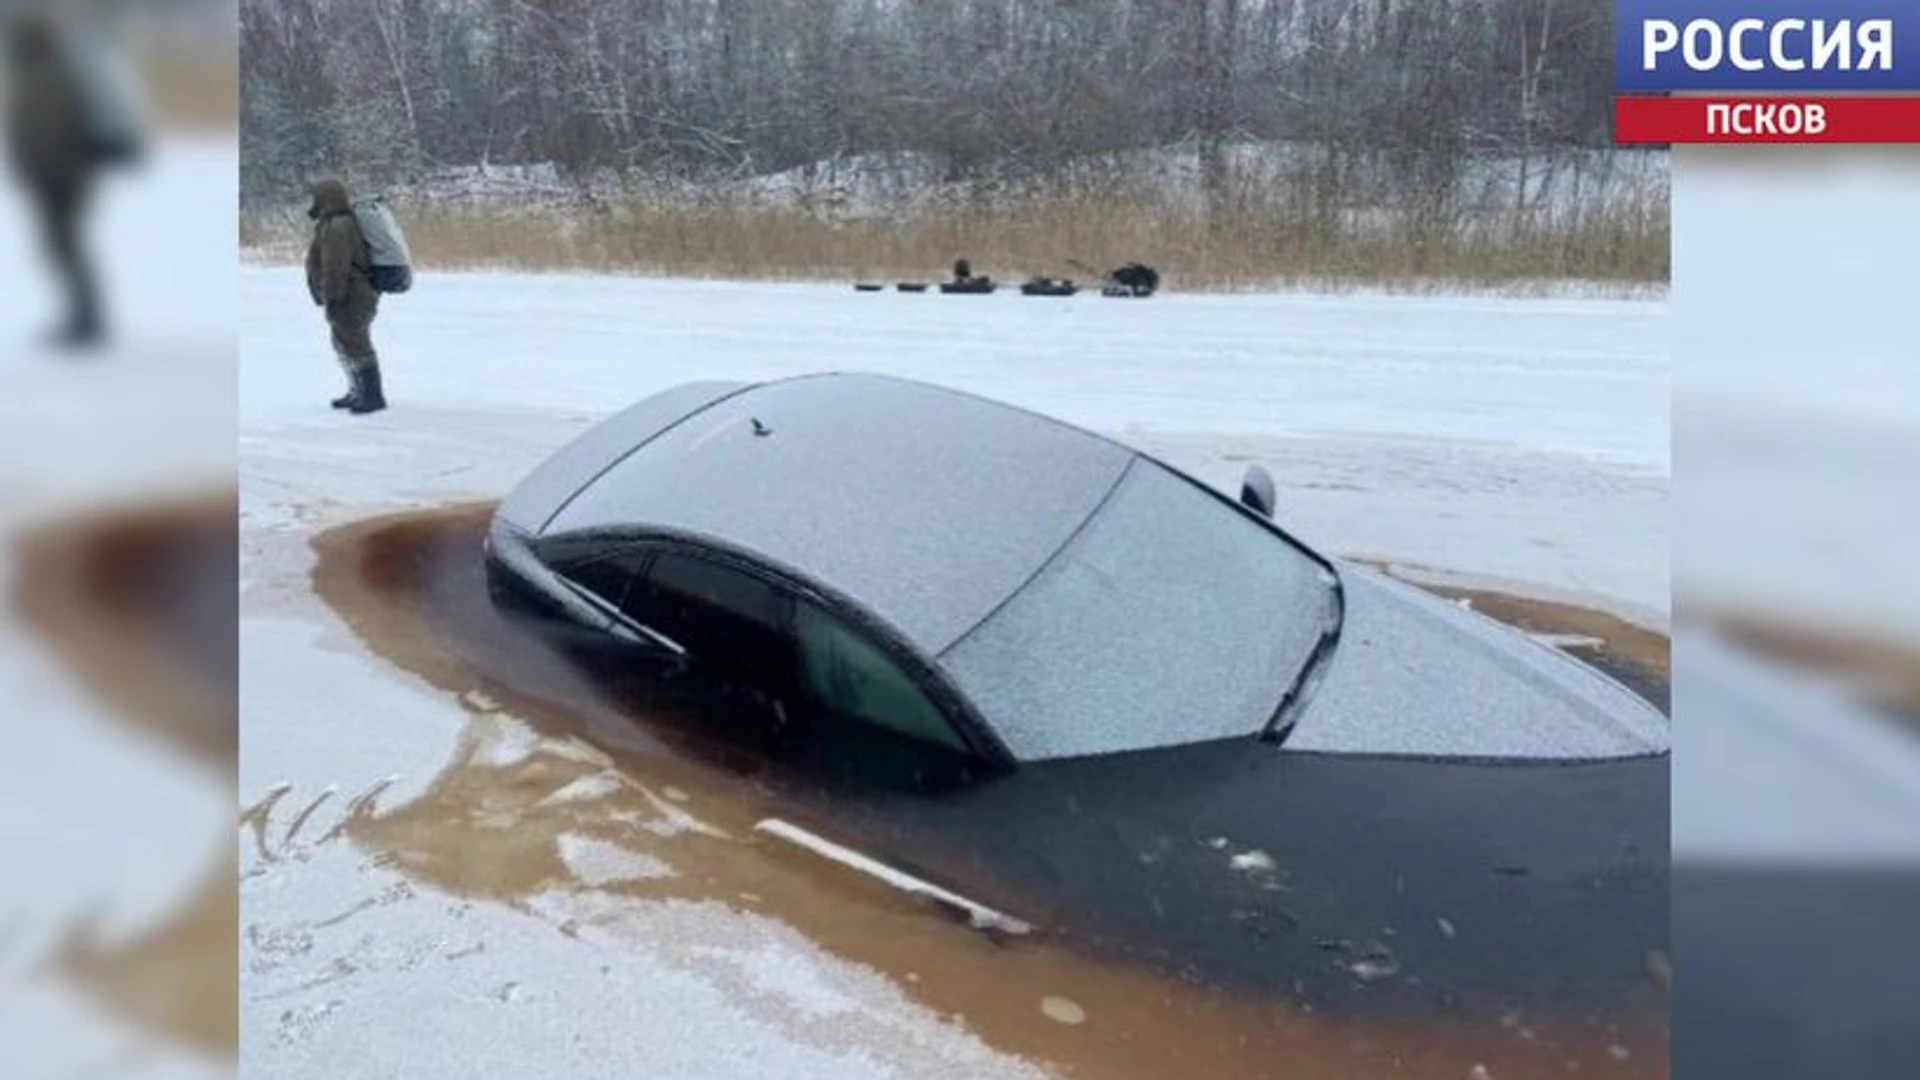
column 607, row 576
column 849, row 674
column 730, row 620
column 685, row 589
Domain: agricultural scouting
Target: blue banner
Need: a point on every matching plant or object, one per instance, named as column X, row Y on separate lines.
column 1801, row 46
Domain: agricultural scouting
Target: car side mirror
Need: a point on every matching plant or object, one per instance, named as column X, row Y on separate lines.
column 1256, row 491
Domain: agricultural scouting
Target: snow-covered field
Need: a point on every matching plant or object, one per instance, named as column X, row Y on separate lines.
column 156, row 409
column 1524, row 441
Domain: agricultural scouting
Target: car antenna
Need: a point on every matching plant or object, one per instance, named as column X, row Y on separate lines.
column 761, row 429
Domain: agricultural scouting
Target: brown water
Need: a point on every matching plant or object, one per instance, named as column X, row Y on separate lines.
column 138, row 604
column 609, row 765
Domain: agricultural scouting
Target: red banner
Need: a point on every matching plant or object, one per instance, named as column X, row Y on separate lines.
column 1766, row 119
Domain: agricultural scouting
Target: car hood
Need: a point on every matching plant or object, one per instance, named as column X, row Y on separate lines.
column 1417, row 675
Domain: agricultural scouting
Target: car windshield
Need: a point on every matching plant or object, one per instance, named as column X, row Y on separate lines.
column 1169, row 618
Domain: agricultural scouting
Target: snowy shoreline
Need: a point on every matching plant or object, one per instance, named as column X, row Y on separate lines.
column 279, row 257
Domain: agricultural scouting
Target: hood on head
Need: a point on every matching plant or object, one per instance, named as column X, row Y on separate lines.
column 329, row 199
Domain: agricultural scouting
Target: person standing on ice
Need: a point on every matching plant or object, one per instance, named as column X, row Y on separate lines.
column 61, row 132
column 340, row 279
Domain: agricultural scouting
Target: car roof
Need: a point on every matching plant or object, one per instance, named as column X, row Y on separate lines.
column 532, row 502
column 927, row 506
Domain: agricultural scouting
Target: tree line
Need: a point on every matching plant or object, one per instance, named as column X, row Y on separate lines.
column 710, row 89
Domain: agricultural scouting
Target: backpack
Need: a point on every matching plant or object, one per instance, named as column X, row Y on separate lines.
column 109, row 97
column 390, row 264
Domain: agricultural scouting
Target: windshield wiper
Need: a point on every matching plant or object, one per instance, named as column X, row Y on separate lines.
column 1287, row 714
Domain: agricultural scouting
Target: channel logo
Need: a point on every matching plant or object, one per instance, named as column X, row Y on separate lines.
column 1766, row 71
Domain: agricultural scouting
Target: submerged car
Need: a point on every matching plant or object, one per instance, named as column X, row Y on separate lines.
column 1023, row 660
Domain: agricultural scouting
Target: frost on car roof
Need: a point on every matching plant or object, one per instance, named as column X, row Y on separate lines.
column 530, row 504
column 1170, row 619
column 928, row 506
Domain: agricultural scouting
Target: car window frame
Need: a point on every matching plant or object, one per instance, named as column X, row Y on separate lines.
column 981, row 741
column 783, row 615
column 619, row 623
column 567, row 572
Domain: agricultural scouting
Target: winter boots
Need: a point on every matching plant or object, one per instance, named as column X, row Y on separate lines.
column 369, row 398
column 363, row 387
column 77, row 335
